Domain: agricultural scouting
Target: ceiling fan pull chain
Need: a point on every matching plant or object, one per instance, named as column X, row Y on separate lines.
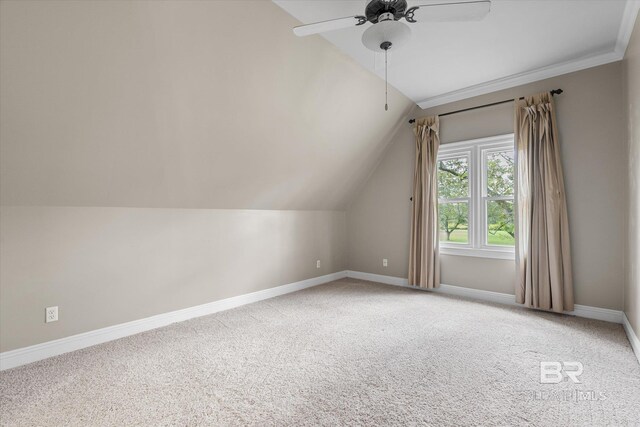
column 386, row 82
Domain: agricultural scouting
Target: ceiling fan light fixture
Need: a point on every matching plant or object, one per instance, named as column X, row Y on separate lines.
column 394, row 32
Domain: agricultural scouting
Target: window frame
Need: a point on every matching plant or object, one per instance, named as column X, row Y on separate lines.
column 476, row 151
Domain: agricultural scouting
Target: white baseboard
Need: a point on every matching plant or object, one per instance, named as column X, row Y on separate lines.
column 22, row 356
column 633, row 338
column 605, row 314
column 379, row 278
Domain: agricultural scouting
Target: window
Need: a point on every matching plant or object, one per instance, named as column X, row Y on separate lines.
column 476, row 207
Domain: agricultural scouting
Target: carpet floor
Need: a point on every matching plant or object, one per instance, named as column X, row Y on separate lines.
column 345, row 353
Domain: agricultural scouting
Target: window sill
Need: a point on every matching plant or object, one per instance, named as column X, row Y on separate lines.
column 479, row 253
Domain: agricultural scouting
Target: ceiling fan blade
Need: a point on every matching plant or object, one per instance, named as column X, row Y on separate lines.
column 332, row 24
column 448, row 12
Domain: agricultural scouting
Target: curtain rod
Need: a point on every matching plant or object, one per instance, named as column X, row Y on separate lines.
column 553, row 92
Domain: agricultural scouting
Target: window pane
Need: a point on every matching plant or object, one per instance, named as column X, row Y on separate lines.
column 453, row 178
column 500, row 172
column 500, row 223
column 454, row 222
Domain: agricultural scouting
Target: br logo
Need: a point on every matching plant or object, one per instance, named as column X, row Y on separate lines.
column 556, row 372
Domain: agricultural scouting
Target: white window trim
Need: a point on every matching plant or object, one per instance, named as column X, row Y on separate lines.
column 475, row 150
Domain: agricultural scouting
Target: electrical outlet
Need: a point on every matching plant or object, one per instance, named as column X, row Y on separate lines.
column 51, row 314
column 318, row 264
column 385, row 263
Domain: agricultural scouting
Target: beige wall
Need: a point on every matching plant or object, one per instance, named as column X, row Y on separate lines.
column 632, row 84
column 118, row 118
column 104, row 266
column 592, row 132
column 172, row 104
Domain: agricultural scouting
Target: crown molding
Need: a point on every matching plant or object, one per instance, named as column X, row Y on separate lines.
column 629, row 16
column 616, row 54
column 521, row 79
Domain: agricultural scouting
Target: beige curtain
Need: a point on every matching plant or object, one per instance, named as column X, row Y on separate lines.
column 424, row 263
column 543, row 254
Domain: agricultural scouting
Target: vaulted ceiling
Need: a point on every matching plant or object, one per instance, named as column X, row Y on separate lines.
column 518, row 42
column 186, row 104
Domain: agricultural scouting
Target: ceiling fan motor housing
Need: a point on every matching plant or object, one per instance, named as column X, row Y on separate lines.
column 376, row 8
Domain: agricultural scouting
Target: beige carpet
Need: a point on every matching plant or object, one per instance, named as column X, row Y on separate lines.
column 348, row 352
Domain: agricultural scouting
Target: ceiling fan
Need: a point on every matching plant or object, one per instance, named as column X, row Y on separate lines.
column 388, row 30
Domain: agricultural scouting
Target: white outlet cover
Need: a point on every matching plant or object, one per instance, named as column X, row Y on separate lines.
column 385, row 263
column 51, row 314
column 318, row 264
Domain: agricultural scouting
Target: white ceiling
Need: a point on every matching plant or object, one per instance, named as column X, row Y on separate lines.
column 518, row 42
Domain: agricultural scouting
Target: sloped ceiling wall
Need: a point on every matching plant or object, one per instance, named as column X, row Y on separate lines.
column 204, row 104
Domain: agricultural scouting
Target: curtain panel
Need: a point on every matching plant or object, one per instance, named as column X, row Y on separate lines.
column 424, row 263
column 543, row 254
